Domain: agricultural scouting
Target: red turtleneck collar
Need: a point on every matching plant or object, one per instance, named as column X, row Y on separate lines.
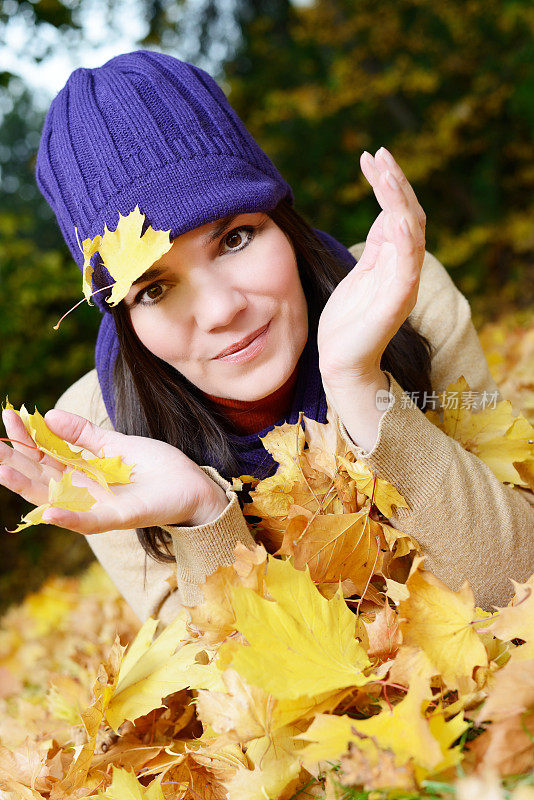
column 252, row 416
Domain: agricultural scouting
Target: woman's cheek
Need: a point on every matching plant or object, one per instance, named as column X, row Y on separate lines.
column 161, row 339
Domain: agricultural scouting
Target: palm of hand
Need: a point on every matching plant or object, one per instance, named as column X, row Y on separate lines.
column 166, row 485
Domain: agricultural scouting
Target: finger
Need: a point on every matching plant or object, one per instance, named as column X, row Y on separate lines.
column 408, row 262
column 374, row 168
column 33, row 469
column 385, row 161
column 34, row 491
column 105, row 518
column 16, row 430
column 76, row 430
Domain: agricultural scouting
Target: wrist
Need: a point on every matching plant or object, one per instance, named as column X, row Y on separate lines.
column 360, row 405
column 209, row 506
column 351, row 386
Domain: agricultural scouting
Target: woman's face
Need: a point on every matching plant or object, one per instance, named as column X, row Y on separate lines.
column 213, row 288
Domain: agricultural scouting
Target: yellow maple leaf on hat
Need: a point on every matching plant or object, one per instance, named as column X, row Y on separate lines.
column 126, row 253
column 88, row 248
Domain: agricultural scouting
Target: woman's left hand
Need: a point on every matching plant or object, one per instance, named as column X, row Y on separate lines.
column 368, row 307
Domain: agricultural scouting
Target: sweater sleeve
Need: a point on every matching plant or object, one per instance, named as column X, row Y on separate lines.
column 470, row 525
column 151, row 588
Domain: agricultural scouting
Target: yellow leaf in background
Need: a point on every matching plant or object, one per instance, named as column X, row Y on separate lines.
column 61, row 494
column 127, row 253
column 438, row 621
column 516, row 620
column 276, row 766
column 497, row 435
column 151, row 671
column 406, row 732
column 103, row 689
column 299, row 627
column 105, row 471
column 385, row 495
column 88, row 248
column 125, row 786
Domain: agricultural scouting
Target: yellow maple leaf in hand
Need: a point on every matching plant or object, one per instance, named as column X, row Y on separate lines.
column 107, row 471
column 61, row 494
column 127, row 254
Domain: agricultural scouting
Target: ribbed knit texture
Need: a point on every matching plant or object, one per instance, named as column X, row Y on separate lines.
column 148, row 129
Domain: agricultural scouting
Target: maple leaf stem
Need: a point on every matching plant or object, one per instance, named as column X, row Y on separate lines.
column 377, row 539
column 7, row 439
column 301, row 415
column 56, row 326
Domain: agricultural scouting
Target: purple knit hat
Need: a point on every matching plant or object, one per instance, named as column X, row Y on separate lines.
column 148, row 129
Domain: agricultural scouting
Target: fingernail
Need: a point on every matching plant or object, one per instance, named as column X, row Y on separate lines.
column 386, row 155
column 391, row 179
column 367, row 156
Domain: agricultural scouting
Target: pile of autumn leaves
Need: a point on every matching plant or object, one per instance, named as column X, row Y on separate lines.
column 338, row 663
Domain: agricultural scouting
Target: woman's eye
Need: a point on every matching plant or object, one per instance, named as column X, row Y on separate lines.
column 149, row 292
column 234, row 238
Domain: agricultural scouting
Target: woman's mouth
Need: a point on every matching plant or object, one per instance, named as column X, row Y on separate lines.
column 251, row 350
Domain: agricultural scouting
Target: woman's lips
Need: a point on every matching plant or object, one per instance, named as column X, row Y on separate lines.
column 250, row 351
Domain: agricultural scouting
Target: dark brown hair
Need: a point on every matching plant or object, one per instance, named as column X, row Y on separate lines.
column 153, row 399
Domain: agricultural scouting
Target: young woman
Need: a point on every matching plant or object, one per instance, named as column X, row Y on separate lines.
column 246, row 273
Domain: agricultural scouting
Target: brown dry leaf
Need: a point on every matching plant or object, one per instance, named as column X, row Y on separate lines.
column 335, row 547
column 381, row 772
column 92, row 718
column 505, row 746
column 384, row 494
column 192, row 780
column 214, row 619
column 383, row 634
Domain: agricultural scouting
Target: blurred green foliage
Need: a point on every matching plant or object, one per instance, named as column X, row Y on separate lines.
column 447, row 87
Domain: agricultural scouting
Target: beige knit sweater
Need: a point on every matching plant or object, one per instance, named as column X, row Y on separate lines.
column 470, row 525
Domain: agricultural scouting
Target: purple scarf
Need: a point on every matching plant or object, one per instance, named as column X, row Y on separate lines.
column 308, row 397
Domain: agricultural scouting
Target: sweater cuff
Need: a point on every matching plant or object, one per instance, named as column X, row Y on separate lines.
column 199, row 550
column 410, row 451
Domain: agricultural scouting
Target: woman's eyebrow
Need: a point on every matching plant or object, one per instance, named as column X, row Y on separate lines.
column 150, row 275
column 219, row 228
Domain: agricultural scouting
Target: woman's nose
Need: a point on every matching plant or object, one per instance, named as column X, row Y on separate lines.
column 217, row 305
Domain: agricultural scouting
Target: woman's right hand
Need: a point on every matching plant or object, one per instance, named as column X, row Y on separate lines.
column 167, row 487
